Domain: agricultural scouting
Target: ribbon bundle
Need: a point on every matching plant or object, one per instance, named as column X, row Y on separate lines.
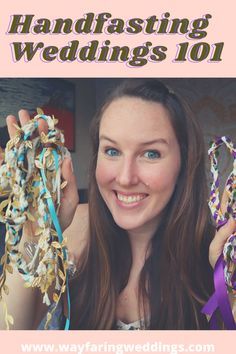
column 30, row 180
column 225, row 269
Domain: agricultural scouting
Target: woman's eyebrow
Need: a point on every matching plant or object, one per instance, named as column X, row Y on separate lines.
column 103, row 137
column 155, row 141
column 149, row 142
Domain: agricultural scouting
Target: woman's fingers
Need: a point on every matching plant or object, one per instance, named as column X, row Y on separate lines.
column 224, row 201
column 11, row 122
column 24, row 117
column 42, row 126
column 225, row 231
column 221, row 236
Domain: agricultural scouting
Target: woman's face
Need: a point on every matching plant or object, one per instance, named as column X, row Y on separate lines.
column 138, row 162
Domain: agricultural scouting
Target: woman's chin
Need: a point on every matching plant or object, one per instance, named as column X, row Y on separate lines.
column 128, row 224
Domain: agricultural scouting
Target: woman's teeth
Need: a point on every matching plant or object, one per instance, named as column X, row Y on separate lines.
column 130, row 198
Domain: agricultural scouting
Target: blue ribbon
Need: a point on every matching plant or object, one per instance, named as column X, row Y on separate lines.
column 56, row 223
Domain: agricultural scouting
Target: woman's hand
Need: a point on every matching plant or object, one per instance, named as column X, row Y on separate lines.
column 221, row 236
column 70, row 199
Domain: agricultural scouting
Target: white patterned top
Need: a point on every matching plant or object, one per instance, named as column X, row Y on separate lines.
column 137, row 325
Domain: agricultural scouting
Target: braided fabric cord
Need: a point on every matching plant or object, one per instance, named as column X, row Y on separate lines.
column 30, row 182
column 229, row 251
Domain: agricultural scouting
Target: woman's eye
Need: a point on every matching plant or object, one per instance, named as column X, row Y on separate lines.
column 112, row 152
column 152, row 154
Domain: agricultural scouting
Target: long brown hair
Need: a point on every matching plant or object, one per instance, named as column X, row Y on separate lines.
column 176, row 277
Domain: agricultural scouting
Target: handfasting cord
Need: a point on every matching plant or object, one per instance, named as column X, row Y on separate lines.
column 30, row 179
column 225, row 269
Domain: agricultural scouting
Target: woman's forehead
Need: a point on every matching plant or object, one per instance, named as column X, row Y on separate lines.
column 135, row 116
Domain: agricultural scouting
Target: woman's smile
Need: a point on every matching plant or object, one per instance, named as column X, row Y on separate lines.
column 129, row 200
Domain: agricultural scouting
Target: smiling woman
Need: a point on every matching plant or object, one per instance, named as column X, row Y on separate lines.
column 136, row 173
column 148, row 213
column 141, row 246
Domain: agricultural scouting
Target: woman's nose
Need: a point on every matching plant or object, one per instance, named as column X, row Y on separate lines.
column 127, row 174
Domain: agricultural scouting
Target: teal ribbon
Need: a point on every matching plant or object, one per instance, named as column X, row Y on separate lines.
column 56, row 223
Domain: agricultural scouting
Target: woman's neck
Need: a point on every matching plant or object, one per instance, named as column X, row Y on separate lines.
column 140, row 243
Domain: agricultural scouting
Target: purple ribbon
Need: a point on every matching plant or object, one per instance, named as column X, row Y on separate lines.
column 219, row 299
